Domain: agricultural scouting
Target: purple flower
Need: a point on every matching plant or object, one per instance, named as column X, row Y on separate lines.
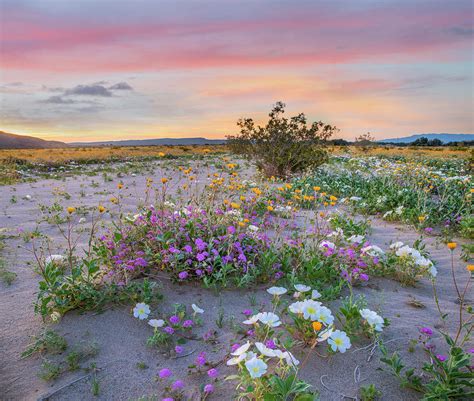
column 212, row 373
column 441, row 358
column 201, row 359
column 200, row 244
column 188, row 323
column 427, row 331
column 201, row 256
column 270, row 344
column 172, row 249
column 250, row 333
column 429, row 230
column 247, row 312
column 168, row 330
column 174, row 319
column 208, row 388
column 231, row 230
column 234, row 347
column 168, row 399
column 178, row 384
column 188, row 248
column 364, row 277
column 178, row 349
column 164, row 373
column 183, row 275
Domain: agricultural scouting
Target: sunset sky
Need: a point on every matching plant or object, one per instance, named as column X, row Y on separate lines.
column 95, row 70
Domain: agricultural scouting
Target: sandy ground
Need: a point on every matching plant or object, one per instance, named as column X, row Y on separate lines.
column 122, row 339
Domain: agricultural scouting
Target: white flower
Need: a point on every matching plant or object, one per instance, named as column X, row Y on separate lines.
column 310, row 309
column 324, row 315
column 237, row 359
column 296, row 307
column 252, row 320
column 296, row 294
column 27, row 197
column 253, row 228
column 433, row 271
column 141, row 311
column 327, row 244
column 155, row 323
column 264, row 350
column 356, row 239
column 197, row 309
column 290, row 359
column 302, row 288
column 399, row 210
column 270, row 319
column 339, row 341
column 396, row 245
column 315, row 294
column 277, row 290
column 325, row 334
column 242, row 349
column 387, row 214
column 355, row 198
column 82, row 220
column 373, row 319
column 372, row 250
column 256, row 367
column 54, row 258
column 403, row 251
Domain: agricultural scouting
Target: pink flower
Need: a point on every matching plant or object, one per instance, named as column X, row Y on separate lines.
column 208, row 388
column 212, row 373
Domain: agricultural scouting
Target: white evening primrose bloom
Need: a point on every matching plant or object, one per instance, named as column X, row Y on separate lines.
column 373, row 319
column 141, row 311
column 253, row 228
column 270, row 319
column 396, row 245
column 155, row 323
column 327, row 244
column 339, row 341
column 236, row 360
column 54, row 258
column 403, row 251
column 290, row 359
column 356, row 239
column 324, row 315
column 277, row 290
column 315, row 294
column 310, row 309
column 242, row 349
column 302, row 288
column 264, row 350
column 433, row 271
column 323, row 335
column 256, row 367
column 296, row 307
column 253, row 319
column 197, row 309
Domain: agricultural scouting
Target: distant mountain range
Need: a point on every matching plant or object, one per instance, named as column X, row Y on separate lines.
column 13, row 141
column 445, row 138
column 153, row 142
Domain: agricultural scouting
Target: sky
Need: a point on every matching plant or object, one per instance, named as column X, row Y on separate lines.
column 114, row 69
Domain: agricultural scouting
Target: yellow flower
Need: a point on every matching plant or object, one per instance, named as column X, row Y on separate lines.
column 452, row 245
column 101, row 209
column 333, row 198
column 421, row 219
column 270, row 208
column 235, row 205
column 281, row 189
column 241, row 224
column 246, row 221
column 114, row 200
column 316, row 189
column 242, row 198
column 71, row 209
column 161, row 154
column 317, row 326
column 471, row 190
column 470, row 268
column 164, row 180
column 119, row 185
column 325, row 204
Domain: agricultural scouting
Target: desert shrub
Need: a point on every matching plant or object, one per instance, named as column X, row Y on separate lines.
column 284, row 145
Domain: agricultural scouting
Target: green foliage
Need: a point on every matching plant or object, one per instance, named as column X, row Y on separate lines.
column 349, row 225
column 46, row 342
column 369, row 393
column 349, row 314
column 61, row 291
column 289, row 388
column 283, row 146
column 451, row 379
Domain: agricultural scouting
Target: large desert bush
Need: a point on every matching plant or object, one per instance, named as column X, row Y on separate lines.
column 283, row 146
